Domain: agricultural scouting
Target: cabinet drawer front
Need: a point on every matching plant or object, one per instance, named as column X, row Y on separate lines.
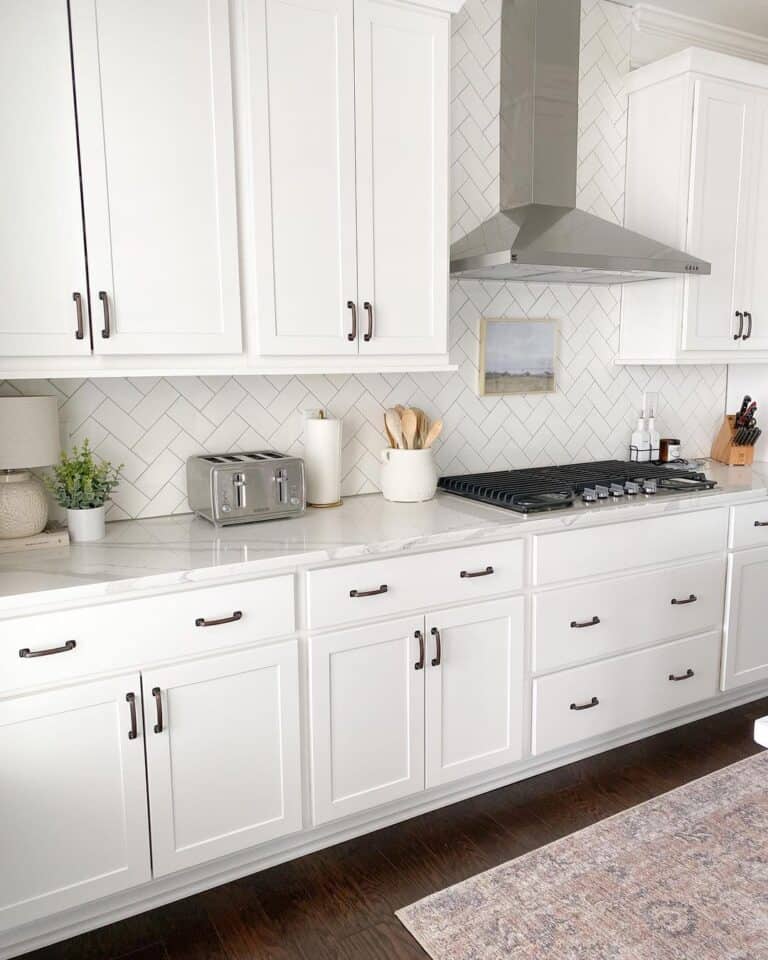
column 380, row 588
column 749, row 525
column 131, row 633
column 595, row 620
column 574, row 554
column 596, row 699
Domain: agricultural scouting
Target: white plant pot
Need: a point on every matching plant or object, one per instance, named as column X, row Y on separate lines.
column 86, row 525
column 408, row 476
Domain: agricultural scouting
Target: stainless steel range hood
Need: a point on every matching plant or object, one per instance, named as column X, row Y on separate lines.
column 538, row 233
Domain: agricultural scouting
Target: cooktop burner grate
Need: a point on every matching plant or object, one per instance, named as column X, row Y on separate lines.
column 555, row 488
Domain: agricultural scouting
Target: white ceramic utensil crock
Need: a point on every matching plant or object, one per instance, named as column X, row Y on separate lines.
column 408, row 476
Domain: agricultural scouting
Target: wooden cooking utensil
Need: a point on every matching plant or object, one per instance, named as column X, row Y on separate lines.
column 390, row 438
column 422, row 427
column 410, row 424
column 434, row 433
column 392, row 420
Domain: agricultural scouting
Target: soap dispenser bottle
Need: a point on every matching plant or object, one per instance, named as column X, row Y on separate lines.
column 640, row 444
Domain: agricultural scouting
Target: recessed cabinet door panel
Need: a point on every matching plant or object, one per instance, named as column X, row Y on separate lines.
column 746, row 635
column 752, row 279
column 223, row 756
column 303, row 121
column 73, row 798
column 475, row 692
column 401, row 83
column 367, row 718
column 41, row 232
column 155, row 111
column 721, row 129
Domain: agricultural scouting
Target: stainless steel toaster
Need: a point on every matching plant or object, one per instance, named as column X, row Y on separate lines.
column 243, row 487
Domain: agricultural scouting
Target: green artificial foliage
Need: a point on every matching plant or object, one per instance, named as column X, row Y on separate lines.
column 79, row 482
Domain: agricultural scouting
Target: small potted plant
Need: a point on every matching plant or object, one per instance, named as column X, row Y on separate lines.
column 82, row 486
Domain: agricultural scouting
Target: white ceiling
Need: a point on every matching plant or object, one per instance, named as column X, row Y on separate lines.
column 748, row 15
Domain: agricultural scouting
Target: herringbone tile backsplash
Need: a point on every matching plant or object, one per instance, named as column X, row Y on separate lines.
column 152, row 424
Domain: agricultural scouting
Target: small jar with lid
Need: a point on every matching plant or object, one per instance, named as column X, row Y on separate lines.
column 669, row 450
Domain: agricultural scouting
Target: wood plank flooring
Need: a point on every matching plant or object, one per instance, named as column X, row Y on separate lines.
column 338, row 904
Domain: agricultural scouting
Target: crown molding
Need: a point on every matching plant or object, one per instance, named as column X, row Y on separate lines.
column 658, row 33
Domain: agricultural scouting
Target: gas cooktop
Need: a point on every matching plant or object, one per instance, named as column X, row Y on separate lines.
column 556, row 488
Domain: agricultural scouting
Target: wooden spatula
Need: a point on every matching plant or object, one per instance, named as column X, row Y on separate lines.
column 434, row 433
column 390, row 438
column 410, row 425
column 392, row 421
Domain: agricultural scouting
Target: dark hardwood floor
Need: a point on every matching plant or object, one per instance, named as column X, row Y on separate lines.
column 339, row 904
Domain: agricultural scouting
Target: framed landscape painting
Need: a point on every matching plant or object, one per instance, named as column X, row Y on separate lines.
column 517, row 356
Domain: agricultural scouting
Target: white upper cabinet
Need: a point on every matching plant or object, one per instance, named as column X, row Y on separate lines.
column 349, row 117
column 41, row 233
column 154, row 92
column 697, row 178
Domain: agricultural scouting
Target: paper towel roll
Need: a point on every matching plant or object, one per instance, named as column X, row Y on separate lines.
column 322, row 461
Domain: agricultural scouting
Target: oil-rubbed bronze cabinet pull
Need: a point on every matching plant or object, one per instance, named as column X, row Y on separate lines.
column 27, row 654
column 80, row 329
column 419, row 665
column 368, row 307
column 748, row 334
column 683, row 676
column 437, row 659
column 369, row 593
column 131, row 700
column 740, row 315
column 580, row 624
column 353, row 307
column 761, row 523
column 467, row 575
column 202, row 622
column 107, row 328
column 585, row 706
column 692, row 598
column 158, row 727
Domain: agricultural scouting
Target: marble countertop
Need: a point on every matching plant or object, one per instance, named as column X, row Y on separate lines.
column 144, row 555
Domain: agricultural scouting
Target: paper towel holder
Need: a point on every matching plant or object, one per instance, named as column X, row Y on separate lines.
column 309, row 458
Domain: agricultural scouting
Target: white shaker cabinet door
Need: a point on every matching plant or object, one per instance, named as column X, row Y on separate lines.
column 301, row 65
column 474, row 689
column 402, row 109
column 721, row 141
column 366, row 717
column 752, row 279
column 73, row 798
column 41, row 231
column 223, row 755
column 155, row 112
column 745, row 658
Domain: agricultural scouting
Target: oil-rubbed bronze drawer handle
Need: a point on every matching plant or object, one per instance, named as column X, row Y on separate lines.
column 419, row 665
column 353, row 307
column 580, row 624
column 368, row 307
column 158, row 727
column 740, row 315
column 202, row 622
column 437, row 659
column 80, row 329
column 585, row 706
column 369, row 593
column 131, row 700
column 467, row 575
column 27, row 654
column 683, row 676
column 692, row 598
column 748, row 334
column 761, row 523
column 107, row 328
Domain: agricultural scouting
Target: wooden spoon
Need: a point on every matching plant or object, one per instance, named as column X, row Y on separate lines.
column 390, row 438
column 392, row 420
column 422, row 426
column 434, row 433
column 410, row 425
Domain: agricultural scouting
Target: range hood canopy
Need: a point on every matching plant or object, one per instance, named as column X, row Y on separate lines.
column 538, row 233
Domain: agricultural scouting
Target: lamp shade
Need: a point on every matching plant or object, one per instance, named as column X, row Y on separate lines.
column 29, row 432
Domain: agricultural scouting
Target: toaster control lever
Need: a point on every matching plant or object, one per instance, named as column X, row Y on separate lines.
column 281, row 479
column 239, row 482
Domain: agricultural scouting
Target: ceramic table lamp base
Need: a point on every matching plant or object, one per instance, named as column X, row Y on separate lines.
column 23, row 505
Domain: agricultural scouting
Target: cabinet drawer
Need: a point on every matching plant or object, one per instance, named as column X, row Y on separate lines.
column 596, row 551
column 134, row 632
column 621, row 691
column 602, row 619
column 749, row 525
column 381, row 588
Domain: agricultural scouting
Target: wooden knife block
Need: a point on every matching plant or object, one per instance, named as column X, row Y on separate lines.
column 723, row 449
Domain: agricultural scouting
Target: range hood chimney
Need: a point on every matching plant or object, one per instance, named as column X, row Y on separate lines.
column 538, row 233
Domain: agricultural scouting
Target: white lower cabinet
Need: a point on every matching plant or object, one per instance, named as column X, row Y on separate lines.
column 223, row 755
column 367, row 717
column 73, row 798
column 746, row 639
column 474, row 705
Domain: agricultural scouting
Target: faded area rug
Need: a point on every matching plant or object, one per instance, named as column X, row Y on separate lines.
column 681, row 877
